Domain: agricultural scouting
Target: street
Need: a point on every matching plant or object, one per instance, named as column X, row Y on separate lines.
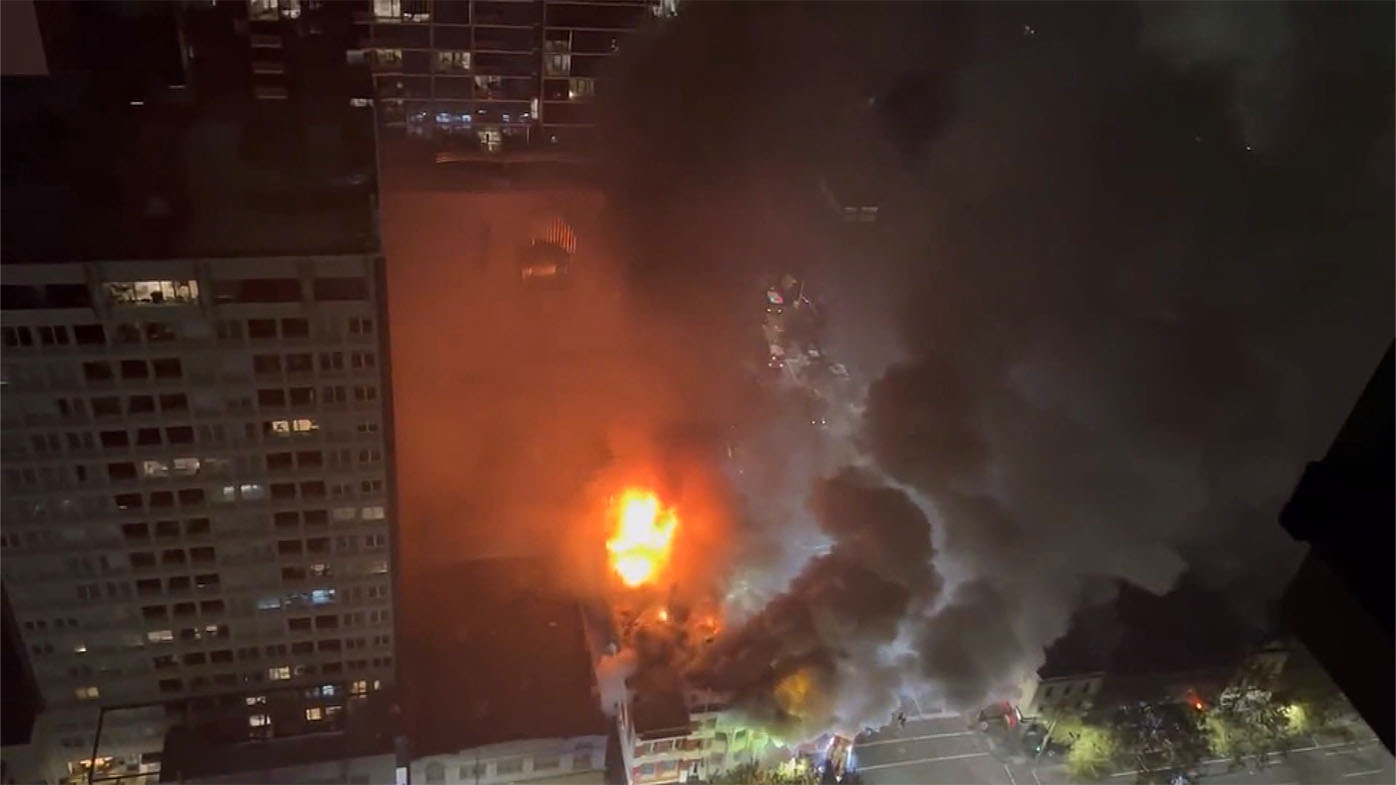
column 939, row 749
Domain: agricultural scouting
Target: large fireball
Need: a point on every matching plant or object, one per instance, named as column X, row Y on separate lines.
column 643, row 536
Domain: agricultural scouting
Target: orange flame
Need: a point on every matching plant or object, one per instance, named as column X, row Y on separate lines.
column 644, row 533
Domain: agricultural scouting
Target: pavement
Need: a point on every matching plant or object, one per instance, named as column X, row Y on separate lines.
column 936, row 748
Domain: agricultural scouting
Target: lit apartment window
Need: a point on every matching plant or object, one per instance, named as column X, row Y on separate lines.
column 580, row 89
column 387, row 9
column 373, row 513
column 451, row 62
column 279, row 674
column 155, row 469
column 79, row 648
column 344, row 513
column 558, row 64
column 152, row 292
column 314, row 714
column 160, row 636
column 258, row 720
column 386, row 59
column 87, row 693
column 286, row 427
column 358, row 688
column 256, row 700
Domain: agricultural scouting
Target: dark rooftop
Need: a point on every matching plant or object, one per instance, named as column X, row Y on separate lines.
column 657, row 705
column 88, row 180
column 508, row 660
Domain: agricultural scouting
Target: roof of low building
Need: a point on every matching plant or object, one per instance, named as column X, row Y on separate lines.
column 507, row 660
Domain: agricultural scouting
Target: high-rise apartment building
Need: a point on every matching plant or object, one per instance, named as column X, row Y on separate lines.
column 495, row 75
column 196, row 418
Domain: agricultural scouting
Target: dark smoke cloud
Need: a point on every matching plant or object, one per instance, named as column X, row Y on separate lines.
column 835, row 613
column 1119, row 332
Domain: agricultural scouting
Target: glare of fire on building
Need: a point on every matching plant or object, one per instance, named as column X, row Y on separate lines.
column 643, row 536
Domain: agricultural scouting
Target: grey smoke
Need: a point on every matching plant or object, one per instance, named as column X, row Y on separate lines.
column 1121, row 334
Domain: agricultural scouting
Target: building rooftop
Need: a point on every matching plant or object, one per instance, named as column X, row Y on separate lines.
column 84, row 179
column 658, row 708
column 507, row 661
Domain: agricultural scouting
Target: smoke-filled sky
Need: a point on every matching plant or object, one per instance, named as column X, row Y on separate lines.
column 1131, row 269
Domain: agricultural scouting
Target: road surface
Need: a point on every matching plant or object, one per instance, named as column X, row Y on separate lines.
column 943, row 750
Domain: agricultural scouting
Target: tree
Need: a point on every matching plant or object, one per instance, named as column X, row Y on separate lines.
column 1092, row 752
column 755, row 774
column 1159, row 740
column 1250, row 725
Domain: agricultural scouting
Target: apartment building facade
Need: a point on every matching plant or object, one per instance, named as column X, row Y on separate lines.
column 196, row 418
column 495, row 75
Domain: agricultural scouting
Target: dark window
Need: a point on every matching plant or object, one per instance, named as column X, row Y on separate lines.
column 204, row 554
column 140, row 404
column 316, row 518
column 261, row 328
column 298, row 363
column 180, row 434
column 97, row 371
column 222, row 655
column 289, row 547
column 341, row 289
column 171, row 685
column 318, row 545
column 174, row 402
column 147, row 436
column 114, row 439
column 153, row 612
column 333, row 643
column 17, row 297
column 295, row 328
column 167, row 368
column 271, row 397
column 191, row 496
column 135, row 532
column 179, row 583
column 172, row 556
column 282, row 491
column 134, row 369
column 302, row 396
column 184, row 609
column 127, row 333
column 67, row 295
column 159, row 332
column 89, row 334
column 330, row 622
column 128, row 501
column 106, row 406
column 141, row 560
column 301, row 624
column 313, row 490
column 167, row 529
column 291, row 574
column 311, row 459
column 286, row 520
column 266, row 363
column 148, row 587
column 196, row 526
column 257, row 290
column 121, row 471
column 302, row 647
column 211, row 607
column 162, row 499
column 278, row 461
column 11, row 336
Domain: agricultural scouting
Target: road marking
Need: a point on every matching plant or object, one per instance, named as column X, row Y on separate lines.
column 923, row 760
column 1035, row 780
column 1011, row 781
column 1364, row 773
column 860, row 745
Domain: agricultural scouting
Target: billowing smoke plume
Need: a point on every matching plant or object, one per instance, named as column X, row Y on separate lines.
column 841, row 607
column 1120, row 333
